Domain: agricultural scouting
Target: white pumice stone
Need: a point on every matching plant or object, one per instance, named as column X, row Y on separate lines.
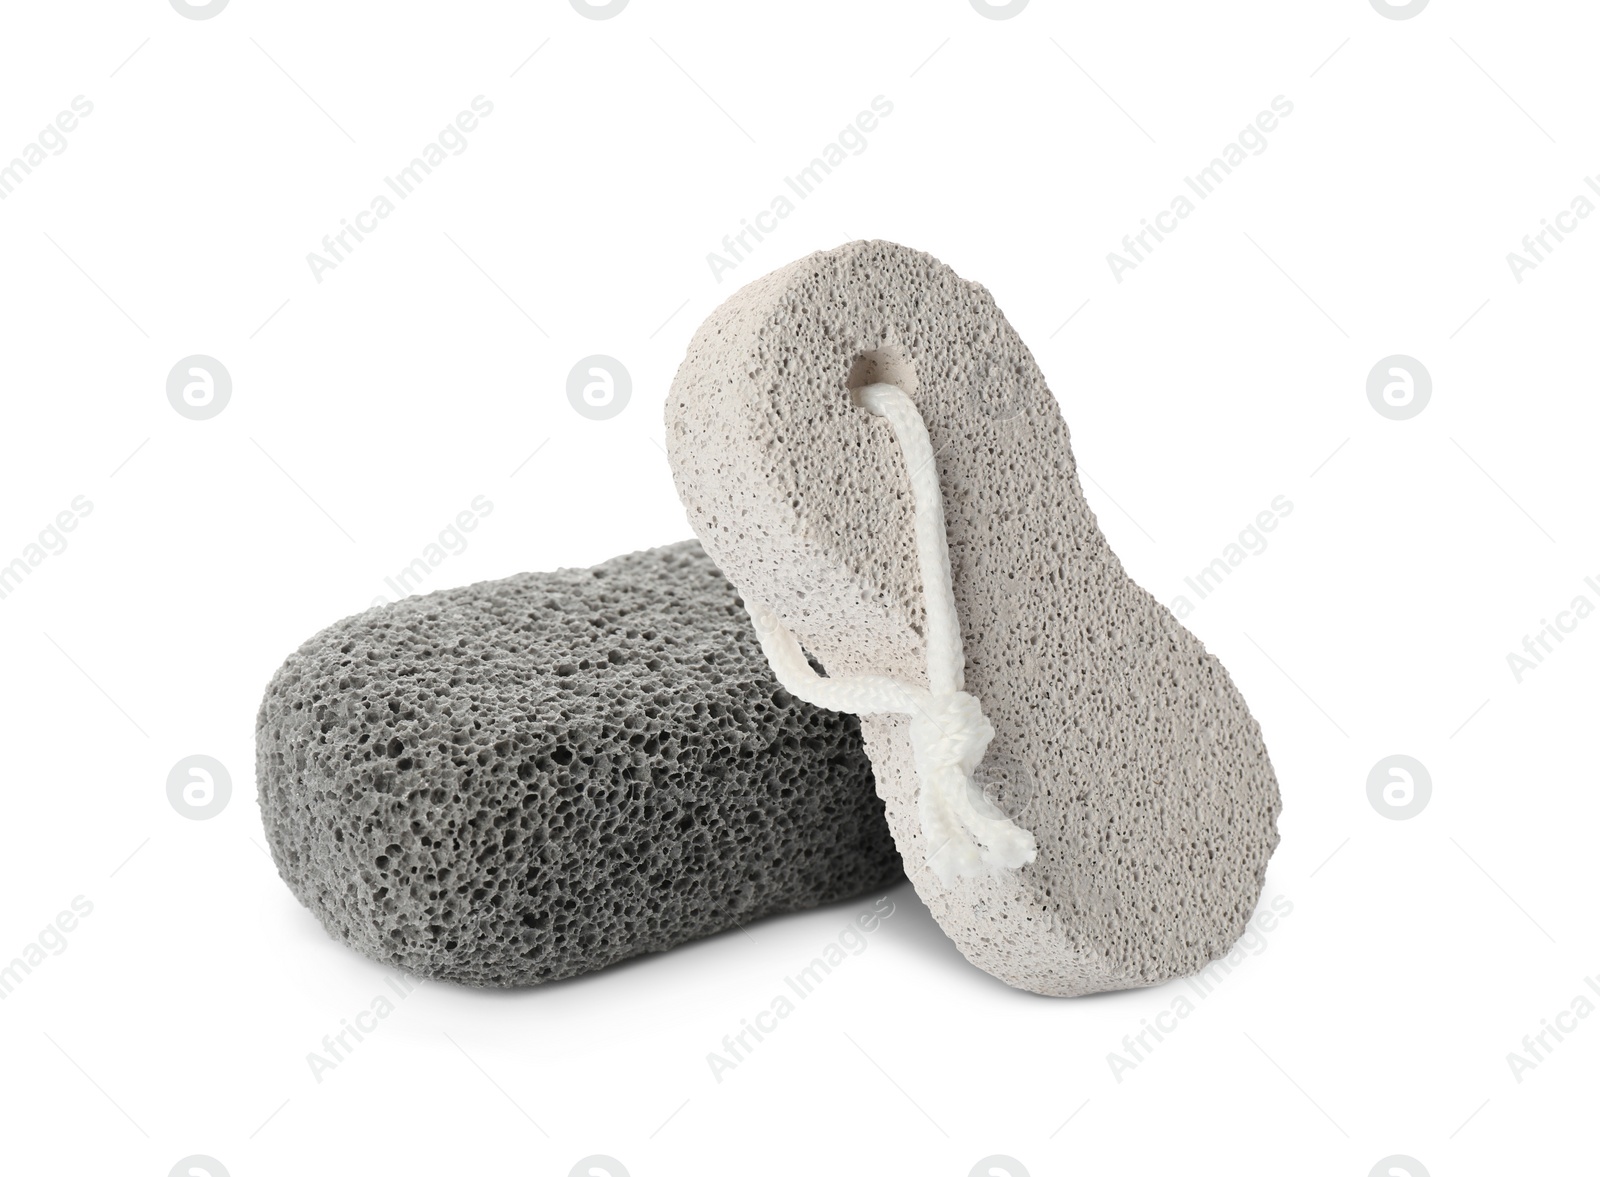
column 1120, row 743
column 531, row 778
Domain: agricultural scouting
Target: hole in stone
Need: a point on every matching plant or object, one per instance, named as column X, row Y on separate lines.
column 888, row 364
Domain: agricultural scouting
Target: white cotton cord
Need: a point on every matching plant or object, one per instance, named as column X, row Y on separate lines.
column 949, row 732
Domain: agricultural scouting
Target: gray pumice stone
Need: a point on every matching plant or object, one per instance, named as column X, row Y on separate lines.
column 532, row 778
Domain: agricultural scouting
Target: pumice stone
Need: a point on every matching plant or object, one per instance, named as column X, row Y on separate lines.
column 868, row 450
column 531, row 778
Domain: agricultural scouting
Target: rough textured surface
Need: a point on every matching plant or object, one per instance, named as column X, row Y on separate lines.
column 531, row 778
column 1144, row 776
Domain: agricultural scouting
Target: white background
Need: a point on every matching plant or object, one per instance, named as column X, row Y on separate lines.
column 368, row 409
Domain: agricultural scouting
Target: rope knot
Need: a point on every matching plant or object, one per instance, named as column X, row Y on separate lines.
column 949, row 736
column 952, row 731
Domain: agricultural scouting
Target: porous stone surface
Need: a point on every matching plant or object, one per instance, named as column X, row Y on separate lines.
column 1123, row 745
column 531, row 778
